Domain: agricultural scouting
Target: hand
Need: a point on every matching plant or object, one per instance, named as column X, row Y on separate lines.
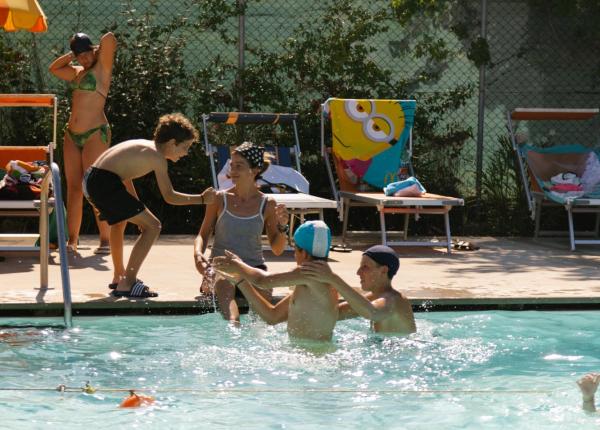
column 588, row 385
column 209, row 196
column 317, row 270
column 281, row 215
column 227, row 265
column 201, row 263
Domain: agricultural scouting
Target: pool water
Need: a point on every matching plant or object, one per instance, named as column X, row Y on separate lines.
column 461, row 370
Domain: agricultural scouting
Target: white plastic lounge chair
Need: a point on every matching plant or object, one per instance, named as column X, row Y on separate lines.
column 539, row 167
column 372, row 142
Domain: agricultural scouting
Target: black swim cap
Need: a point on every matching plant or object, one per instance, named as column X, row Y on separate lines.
column 80, row 42
column 384, row 256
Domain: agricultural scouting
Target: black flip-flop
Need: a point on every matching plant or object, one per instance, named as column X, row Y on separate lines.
column 138, row 291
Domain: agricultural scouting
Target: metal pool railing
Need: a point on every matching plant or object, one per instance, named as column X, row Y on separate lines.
column 62, row 246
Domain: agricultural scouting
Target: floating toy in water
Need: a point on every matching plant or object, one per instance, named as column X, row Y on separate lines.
column 136, row 400
column 88, row 389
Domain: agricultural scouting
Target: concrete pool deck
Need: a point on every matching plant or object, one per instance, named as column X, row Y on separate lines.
column 505, row 273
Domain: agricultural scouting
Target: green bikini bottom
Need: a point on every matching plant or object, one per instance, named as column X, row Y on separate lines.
column 80, row 139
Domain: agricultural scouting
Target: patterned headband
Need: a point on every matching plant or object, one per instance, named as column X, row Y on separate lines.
column 253, row 153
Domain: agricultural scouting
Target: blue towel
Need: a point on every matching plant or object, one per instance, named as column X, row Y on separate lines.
column 410, row 187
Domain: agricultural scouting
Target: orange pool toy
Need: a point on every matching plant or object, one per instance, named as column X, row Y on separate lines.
column 136, row 400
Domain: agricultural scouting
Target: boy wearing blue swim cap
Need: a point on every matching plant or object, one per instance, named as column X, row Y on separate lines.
column 311, row 310
column 388, row 309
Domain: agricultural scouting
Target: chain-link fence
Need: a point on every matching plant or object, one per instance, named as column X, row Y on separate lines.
column 186, row 56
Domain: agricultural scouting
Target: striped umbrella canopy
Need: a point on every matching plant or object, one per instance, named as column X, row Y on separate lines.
column 22, row 15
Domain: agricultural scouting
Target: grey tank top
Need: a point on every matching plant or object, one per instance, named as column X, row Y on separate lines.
column 240, row 235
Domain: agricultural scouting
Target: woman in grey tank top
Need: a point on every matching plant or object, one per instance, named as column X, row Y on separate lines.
column 238, row 218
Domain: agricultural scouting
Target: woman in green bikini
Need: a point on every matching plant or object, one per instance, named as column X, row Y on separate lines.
column 87, row 134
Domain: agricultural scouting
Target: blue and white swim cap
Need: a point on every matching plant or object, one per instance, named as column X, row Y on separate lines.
column 314, row 237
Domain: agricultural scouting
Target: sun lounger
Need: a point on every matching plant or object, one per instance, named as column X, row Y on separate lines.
column 372, row 145
column 550, row 175
column 34, row 207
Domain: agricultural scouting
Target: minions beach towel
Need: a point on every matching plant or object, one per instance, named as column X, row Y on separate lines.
column 369, row 138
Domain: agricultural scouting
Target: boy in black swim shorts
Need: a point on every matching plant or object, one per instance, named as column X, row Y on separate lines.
column 108, row 186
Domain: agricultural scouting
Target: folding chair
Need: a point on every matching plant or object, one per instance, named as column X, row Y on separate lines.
column 372, row 142
column 537, row 167
column 36, row 208
column 299, row 204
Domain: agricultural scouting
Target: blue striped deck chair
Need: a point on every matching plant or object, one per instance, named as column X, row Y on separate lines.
column 299, row 204
column 371, row 144
column 542, row 171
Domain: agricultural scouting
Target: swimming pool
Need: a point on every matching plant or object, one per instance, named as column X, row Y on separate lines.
column 461, row 370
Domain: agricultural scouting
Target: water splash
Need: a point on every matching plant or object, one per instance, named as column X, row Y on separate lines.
column 208, row 284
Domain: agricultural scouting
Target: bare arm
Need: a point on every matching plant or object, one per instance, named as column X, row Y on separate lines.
column 174, row 197
column 376, row 310
column 63, row 69
column 206, row 229
column 276, row 215
column 106, row 53
column 588, row 386
column 232, row 265
column 345, row 311
column 272, row 314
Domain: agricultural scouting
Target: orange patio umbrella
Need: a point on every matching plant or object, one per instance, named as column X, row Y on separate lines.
column 22, row 15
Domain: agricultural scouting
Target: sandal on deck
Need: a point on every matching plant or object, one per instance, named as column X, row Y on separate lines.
column 102, row 250
column 138, row 290
column 463, row 245
column 340, row 248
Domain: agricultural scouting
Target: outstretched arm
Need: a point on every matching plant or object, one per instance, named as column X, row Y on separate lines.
column 588, row 386
column 232, row 265
column 271, row 314
column 173, row 197
column 376, row 310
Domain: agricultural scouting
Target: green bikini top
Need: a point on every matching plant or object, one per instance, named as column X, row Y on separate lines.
column 86, row 83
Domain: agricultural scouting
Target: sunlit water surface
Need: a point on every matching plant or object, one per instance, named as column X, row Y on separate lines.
column 461, row 370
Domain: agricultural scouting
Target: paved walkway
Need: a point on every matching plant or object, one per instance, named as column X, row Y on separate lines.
column 503, row 273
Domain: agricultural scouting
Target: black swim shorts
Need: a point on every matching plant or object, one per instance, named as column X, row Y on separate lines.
column 107, row 193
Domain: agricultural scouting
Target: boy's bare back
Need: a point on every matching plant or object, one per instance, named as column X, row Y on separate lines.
column 313, row 311
column 132, row 159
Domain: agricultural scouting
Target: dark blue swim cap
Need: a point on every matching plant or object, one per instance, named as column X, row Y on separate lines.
column 384, row 256
column 80, row 42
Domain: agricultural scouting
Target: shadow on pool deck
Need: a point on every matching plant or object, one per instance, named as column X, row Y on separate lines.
column 505, row 273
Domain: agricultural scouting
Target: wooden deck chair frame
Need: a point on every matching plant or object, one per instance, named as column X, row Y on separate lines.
column 428, row 204
column 299, row 204
column 536, row 199
column 38, row 208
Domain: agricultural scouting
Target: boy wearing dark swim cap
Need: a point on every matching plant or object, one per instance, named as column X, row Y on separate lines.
column 311, row 310
column 388, row 309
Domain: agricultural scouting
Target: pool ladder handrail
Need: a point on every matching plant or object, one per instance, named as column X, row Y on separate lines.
column 54, row 176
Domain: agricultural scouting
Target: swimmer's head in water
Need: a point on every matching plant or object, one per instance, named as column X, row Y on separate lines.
column 384, row 256
column 314, row 237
